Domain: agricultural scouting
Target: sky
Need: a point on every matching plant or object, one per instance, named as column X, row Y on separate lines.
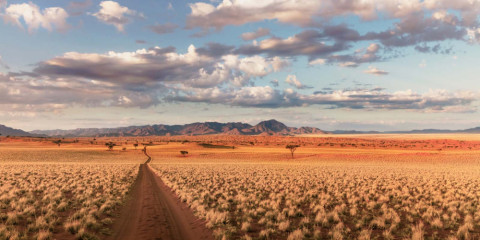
column 352, row 64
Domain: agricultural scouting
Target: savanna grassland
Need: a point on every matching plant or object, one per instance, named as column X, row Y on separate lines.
column 335, row 187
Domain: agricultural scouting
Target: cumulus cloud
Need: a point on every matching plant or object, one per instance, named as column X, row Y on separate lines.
column 113, row 13
column 293, row 81
column 375, row 71
column 34, row 18
column 154, row 66
column 163, row 28
column 260, row 32
column 318, row 61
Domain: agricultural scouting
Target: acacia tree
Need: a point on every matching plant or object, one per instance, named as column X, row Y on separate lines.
column 110, row 145
column 135, row 145
column 292, row 148
column 58, row 142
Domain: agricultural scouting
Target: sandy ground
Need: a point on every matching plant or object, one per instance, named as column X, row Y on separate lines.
column 154, row 212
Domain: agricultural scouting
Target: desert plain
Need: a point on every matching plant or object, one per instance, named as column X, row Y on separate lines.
column 384, row 186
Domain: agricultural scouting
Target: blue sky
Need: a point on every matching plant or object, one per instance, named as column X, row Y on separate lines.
column 365, row 65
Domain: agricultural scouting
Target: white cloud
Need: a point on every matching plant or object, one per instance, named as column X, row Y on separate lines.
column 348, row 64
column 279, row 63
column 256, row 66
column 375, row 71
column 115, row 14
column 207, row 15
column 34, row 18
column 293, row 81
column 318, row 61
column 201, row 9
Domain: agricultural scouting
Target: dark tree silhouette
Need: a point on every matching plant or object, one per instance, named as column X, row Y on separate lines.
column 110, row 145
column 135, row 145
column 184, row 153
column 58, row 142
column 292, row 148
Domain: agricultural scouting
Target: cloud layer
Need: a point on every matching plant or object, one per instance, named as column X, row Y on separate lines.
column 148, row 77
column 368, row 99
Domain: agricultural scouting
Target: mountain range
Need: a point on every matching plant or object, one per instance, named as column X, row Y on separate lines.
column 7, row 131
column 265, row 128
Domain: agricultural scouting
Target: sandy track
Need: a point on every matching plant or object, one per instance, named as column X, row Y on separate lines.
column 154, row 212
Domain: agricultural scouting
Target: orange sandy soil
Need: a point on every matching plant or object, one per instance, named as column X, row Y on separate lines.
column 426, row 147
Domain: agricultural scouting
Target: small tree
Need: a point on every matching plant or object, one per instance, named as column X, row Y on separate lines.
column 58, row 142
column 135, row 145
column 292, row 148
column 110, row 145
column 184, row 153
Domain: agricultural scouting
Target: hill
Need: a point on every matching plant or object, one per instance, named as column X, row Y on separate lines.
column 7, row 131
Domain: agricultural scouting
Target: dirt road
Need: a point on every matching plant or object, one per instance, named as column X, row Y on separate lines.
column 154, row 212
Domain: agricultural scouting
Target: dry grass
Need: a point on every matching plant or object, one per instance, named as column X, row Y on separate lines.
column 257, row 192
column 47, row 193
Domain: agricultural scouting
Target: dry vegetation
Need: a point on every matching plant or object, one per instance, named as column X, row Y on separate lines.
column 331, row 193
column 336, row 201
column 38, row 201
column 334, row 188
column 48, row 192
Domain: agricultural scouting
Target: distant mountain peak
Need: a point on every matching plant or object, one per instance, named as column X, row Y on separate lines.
column 271, row 125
